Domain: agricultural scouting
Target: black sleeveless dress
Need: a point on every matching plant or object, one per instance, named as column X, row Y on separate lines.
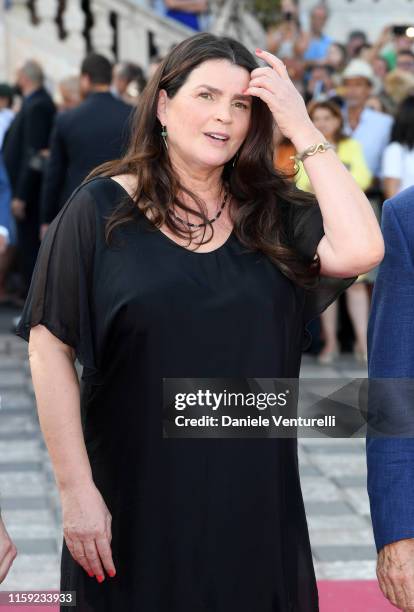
column 198, row 525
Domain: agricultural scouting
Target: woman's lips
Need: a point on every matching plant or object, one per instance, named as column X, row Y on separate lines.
column 218, row 141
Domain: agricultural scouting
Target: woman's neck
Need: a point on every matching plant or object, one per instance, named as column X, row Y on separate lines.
column 206, row 184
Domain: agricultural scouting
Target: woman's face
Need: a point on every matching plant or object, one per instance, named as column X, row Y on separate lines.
column 209, row 117
column 334, row 56
column 326, row 122
column 289, row 6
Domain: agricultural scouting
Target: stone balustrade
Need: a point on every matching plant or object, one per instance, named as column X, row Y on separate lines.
column 59, row 33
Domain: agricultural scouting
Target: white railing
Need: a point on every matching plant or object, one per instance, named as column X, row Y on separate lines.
column 30, row 29
column 58, row 35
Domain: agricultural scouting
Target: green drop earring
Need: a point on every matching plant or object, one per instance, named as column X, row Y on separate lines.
column 164, row 134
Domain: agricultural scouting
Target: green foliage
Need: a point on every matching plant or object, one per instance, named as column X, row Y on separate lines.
column 266, row 11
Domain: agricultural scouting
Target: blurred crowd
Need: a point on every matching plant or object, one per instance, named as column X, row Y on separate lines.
column 360, row 95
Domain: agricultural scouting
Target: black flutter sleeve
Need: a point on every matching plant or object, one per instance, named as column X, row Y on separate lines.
column 306, row 231
column 61, row 288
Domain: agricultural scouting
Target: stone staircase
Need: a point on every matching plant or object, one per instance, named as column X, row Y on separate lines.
column 58, row 33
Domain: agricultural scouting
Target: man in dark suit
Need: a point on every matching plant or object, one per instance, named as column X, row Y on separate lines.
column 26, row 138
column 94, row 132
column 391, row 356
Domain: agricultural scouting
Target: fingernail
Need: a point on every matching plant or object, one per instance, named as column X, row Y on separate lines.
column 100, row 578
column 90, row 574
column 111, row 573
column 258, row 50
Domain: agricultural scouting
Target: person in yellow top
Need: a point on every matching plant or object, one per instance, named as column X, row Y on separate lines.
column 327, row 117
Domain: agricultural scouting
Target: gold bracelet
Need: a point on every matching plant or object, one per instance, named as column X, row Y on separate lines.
column 319, row 147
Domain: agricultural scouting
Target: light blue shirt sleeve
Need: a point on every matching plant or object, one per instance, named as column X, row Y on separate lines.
column 373, row 133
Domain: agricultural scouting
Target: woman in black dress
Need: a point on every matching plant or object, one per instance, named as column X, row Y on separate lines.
column 127, row 285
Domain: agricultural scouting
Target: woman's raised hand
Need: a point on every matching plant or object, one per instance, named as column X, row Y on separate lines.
column 8, row 552
column 87, row 529
column 272, row 84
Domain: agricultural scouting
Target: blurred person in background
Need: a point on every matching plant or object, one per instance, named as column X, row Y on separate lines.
column 356, row 39
column 313, row 46
column 153, row 66
column 134, row 90
column 336, row 57
column 25, row 143
column 8, row 551
column 398, row 160
column 7, row 223
column 390, row 42
column 364, row 52
column 405, row 61
column 327, row 117
column 283, row 36
column 6, row 118
column 188, row 12
column 380, row 67
column 283, row 153
column 380, row 100
column 376, row 103
column 6, row 109
column 69, row 93
column 400, row 42
column 371, row 128
column 321, row 83
column 128, row 81
column 84, row 137
column 398, row 84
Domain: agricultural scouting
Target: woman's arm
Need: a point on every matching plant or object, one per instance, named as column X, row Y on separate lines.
column 353, row 242
column 382, row 40
column 86, row 519
column 56, row 388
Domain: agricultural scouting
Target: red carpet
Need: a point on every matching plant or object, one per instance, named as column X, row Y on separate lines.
column 352, row 596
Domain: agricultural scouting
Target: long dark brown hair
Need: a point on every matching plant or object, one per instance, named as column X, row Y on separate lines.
column 262, row 195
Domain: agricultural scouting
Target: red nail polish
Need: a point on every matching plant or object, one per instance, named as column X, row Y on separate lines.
column 90, row 574
column 100, row 578
column 258, row 50
column 112, row 573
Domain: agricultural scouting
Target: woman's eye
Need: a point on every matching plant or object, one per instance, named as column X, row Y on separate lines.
column 241, row 105
column 206, row 94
